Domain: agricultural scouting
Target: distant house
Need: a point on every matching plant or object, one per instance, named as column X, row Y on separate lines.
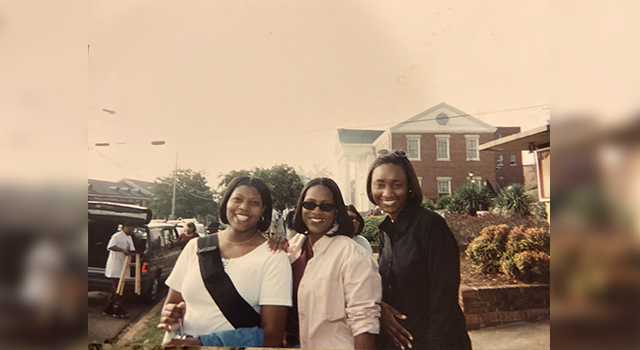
column 442, row 144
column 126, row 191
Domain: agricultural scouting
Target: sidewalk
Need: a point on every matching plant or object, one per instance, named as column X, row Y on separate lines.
column 513, row 336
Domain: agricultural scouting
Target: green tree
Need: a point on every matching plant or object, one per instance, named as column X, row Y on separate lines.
column 444, row 201
column 194, row 198
column 513, row 200
column 283, row 182
column 473, row 197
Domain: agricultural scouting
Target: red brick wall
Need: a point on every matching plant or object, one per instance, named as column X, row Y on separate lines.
column 457, row 168
column 508, row 174
column 492, row 306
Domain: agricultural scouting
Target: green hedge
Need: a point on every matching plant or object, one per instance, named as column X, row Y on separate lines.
column 370, row 231
column 523, row 254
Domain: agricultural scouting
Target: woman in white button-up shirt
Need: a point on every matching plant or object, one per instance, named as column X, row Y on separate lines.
column 337, row 288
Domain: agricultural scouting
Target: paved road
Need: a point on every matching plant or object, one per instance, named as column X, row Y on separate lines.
column 513, row 336
column 103, row 328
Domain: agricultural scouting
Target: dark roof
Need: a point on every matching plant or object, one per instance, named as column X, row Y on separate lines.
column 358, row 136
column 143, row 185
column 110, row 188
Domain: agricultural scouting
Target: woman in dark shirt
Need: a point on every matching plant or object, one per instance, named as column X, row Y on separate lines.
column 188, row 234
column 418, row 262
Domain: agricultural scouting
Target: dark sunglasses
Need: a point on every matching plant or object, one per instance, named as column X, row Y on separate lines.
column 398, row 153
column 323, row 206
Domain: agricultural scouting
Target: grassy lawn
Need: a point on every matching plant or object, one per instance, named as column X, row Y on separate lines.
column 152, row 336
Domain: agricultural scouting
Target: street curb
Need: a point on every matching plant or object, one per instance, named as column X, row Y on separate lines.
column 136, row 329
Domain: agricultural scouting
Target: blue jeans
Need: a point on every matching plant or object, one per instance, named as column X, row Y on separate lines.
column 241, row 337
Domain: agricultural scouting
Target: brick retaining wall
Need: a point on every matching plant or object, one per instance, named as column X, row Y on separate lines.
column 492, row 306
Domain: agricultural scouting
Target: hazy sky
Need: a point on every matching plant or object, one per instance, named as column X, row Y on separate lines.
column 239, row 84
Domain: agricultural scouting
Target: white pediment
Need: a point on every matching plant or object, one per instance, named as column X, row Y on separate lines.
column 443, row 118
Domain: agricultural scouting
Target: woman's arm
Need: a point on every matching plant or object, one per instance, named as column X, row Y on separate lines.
column 400, row 336
column 274, row 320
column 365, row 341
column 363, row 293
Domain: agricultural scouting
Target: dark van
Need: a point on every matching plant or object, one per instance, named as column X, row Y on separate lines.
column 157, row 244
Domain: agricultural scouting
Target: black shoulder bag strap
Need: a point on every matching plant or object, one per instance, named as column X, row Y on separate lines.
column 236, row 310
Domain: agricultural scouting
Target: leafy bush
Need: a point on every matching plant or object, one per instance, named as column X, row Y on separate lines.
column 523, row 254
column 466, row 228
column 487, row 250
column 513, row 200
column 370, row 231
column 539, row 209
column 428, row 204
column 443, row 202
column 472, row 197
column 532, row 266
column 457, row 206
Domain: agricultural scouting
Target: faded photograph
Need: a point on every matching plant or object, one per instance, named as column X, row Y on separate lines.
column 334, row 174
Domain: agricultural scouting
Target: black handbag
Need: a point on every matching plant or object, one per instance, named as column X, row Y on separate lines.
column 219, row 285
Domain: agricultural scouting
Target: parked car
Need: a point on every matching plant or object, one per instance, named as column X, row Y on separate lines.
column 156, row 242
column 181, row 226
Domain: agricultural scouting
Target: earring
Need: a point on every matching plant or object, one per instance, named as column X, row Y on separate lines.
column 262, row 218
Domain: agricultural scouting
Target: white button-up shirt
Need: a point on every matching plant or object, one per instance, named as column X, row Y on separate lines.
column 339, row 293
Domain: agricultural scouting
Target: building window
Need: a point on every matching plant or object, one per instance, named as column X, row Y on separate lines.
column 499, row 161
column 472, row 147
column 444, row 186
column 442, row 147
column 413, row 147
column 513, row 160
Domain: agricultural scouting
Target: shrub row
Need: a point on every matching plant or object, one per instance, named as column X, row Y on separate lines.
column 466, row 228
column 518, row 252
column 370, row 231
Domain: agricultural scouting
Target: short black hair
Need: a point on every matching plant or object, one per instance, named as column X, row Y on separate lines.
column 191, row 224
column 265, row 195
column 130, row 224
column 345, row 226
column 359, row 218
column 414, row 198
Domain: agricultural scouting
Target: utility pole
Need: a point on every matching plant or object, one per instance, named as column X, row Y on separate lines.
column 173, row 200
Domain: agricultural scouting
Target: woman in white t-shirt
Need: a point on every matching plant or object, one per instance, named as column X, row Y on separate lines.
column 358, row 226
column 262, row 279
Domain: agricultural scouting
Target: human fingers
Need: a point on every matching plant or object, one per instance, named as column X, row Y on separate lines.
column 164, row 327
column 399, row 334
column 172, row 313
column 277, row 243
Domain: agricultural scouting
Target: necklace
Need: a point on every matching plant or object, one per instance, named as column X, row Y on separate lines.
column 239, row 243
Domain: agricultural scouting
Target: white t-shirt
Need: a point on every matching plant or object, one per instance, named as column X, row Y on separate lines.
column 115, row 261
column 261, row 278
column 364, row 243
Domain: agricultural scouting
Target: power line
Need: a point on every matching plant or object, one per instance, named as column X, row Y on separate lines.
column 112, row 161
column 187, row 191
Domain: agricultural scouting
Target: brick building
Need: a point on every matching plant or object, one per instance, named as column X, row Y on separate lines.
column 442, row 144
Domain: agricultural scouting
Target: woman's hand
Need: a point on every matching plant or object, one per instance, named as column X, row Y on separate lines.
column 190, row 341
column 171, row 316
column 400, row 336
column 278, row 243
